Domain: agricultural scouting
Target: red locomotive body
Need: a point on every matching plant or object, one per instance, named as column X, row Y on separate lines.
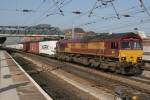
column 116, row 52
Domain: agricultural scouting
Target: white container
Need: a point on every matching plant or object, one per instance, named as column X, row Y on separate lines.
column 47, row 47
column 146, row 57
column 15, row 46
column 146, row 48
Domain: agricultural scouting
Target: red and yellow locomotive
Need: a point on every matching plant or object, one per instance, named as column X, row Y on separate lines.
column 121, row 53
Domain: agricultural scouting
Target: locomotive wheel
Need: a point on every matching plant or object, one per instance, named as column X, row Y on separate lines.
column 94, row 63
column 136, row 70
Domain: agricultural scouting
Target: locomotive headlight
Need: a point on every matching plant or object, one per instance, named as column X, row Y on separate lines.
column 139, row 58
column 123, row 58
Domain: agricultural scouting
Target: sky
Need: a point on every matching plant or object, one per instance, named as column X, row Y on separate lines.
column 124, row 17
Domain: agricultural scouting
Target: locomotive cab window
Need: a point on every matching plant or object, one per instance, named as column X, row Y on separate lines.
column 114, row 45
column 136, row 45
column 125, row 45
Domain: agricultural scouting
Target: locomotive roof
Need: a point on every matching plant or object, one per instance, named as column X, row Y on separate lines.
column 109, row 36
column 113, row 36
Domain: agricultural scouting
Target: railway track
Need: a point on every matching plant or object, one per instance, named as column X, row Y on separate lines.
column 147, row 68
column 141, row 79
column 146, row 74
column 131, row 85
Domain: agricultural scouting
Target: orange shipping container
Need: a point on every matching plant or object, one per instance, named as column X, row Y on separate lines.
column 26, row 47
column 34, row 47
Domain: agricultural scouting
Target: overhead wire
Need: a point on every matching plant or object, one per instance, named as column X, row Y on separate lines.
column 25, row 10
column 91, row 11
column 62, row 4
column 58, row 4
column 95, row 21
column 133, row 12
column 60, row 10
column 114, row 25
column 16, row 4
column 112, row 17
column 128, row 25
column 115, row 10
column 54, row 12
column 103, row 3
column 39, row 18
column 9, row 10
column 143, row 5
column 40, row 5
column 36, row 9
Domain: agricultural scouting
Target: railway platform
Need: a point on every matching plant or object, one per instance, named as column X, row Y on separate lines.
column 146, row 57
column 15, row 83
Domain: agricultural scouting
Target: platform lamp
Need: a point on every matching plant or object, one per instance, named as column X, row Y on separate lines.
column 136, row 29
column 77, row 13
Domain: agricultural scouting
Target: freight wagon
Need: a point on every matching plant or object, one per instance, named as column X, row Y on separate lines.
column 15, row 46
column 26, row 47
column 34, row 47
column 146, row 49
column 146, row 55
column 43, row 47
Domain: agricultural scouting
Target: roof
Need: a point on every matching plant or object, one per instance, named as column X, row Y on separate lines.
column 108, row 36
column 105, row 36
column 111, row 36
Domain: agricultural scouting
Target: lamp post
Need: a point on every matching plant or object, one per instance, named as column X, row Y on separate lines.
column 73, row 34
column 77, row 13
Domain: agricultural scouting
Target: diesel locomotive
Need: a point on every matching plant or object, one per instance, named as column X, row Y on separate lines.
column 120, row 53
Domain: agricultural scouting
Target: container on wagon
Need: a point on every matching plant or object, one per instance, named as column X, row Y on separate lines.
column 34, row 47
column 15, row 46
column 47, row 47
column 26, row 47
